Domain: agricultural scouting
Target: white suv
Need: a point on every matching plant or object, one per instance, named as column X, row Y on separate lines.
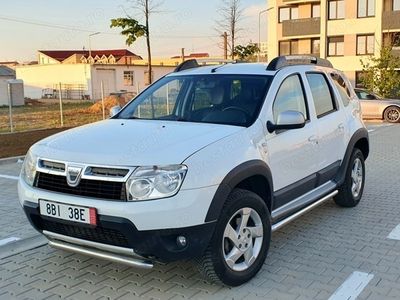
column 205, row 163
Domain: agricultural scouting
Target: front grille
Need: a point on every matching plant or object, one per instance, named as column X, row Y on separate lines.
column 97, row 234
column 88, row 188
column 51, row 165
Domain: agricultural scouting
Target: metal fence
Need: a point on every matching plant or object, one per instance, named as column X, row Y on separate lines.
column 62, row 106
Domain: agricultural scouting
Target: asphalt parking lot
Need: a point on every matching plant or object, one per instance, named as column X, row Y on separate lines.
column 330, row 253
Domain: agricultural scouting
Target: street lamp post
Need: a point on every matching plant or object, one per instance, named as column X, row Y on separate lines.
column 259, row 30
column 90, row 42
column 90, row 55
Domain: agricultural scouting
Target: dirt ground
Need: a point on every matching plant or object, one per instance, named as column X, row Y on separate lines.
column 16, row 144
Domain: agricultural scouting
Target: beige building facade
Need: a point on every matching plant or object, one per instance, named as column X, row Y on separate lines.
column 343, row 31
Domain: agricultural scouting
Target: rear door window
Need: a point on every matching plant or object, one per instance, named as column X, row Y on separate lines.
column 323, row 98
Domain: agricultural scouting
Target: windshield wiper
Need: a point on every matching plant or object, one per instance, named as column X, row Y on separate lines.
column 182, row 120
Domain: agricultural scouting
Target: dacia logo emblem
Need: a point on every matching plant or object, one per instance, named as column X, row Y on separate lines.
column 74, row 174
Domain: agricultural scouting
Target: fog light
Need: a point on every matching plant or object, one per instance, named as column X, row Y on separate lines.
column 181, row 241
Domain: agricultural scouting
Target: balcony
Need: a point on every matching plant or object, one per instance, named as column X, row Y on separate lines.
column 300, row 27
column 391, row 20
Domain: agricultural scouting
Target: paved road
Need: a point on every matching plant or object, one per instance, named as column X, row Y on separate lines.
column 330, row 252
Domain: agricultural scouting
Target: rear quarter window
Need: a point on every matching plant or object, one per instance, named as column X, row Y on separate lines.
column 342, row 88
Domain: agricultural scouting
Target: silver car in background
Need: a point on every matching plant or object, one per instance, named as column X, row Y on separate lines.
column 375, row 107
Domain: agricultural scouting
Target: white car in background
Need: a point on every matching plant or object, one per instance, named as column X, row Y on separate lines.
column 376, row 107
column 207, row 172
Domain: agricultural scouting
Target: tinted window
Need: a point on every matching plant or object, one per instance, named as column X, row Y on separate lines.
column 219, row 99
column 321, row 93
column 365, row 96
column 290, row 97
column 342, row 88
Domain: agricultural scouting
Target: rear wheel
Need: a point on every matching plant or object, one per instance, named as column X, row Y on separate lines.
column 352, row 189
column 241, row 240
column 392, row 114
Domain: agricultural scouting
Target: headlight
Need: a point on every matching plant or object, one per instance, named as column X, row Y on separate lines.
column 28, row 171
column 155, row 182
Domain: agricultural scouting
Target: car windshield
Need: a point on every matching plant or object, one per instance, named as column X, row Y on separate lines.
column 219, row 99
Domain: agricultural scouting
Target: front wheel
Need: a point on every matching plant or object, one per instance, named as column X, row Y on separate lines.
column 351, row 191
column 392, row 114
column 240, row 242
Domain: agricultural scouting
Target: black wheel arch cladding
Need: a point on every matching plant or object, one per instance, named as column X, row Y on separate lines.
column 248, row 173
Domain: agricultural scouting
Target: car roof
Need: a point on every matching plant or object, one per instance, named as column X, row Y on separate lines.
column 244, row 69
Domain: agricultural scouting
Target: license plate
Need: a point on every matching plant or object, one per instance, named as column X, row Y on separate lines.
column 80, row 214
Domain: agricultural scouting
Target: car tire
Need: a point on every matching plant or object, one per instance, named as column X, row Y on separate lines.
column 351, row 191
column 392, row 114
column 240, row 242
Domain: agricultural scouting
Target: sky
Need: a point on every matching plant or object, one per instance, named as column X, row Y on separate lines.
column 188, row 24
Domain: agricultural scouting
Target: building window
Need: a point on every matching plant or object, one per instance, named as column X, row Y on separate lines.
column 366, row 8
column 288, row 13
column 315, row 46
column 359, row 79
column 316, row 11
column 289, row 47
column 129, row 77
column 336, row 9
column 365, row 44
column 396, row 4
column 336, row 46
column 392, row 39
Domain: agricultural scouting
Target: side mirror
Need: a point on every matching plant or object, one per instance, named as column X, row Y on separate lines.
column 114, row 110
column 287, row 120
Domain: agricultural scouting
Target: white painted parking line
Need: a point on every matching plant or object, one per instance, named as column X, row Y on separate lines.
column 395, row 234
column 9, row 177
column 9, row 240
column 371, row 130
column 353, row 286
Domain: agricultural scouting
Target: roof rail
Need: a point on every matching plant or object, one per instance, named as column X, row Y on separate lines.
column 196, row 63
column 293, row 60
column 187, row 64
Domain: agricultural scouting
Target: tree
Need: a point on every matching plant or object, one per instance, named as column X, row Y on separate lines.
column 130, row 28
column 231, row 14
column 246, row 53
column 146, row 8
column 380, row 74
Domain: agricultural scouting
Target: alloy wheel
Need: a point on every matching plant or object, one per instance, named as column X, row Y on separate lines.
column 242, row 239
column 357, row 177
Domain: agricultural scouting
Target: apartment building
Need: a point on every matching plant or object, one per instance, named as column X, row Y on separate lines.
column 344, row 31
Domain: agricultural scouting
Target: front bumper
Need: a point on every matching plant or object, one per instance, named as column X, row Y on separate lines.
column 159, row 245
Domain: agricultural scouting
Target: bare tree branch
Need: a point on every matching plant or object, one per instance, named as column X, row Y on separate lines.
column 230, row 15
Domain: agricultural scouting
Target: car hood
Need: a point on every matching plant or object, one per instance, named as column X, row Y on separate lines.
column 131, row 142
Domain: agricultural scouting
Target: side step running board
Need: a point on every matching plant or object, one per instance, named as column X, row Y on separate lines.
column 132, row 262
column 293, row 217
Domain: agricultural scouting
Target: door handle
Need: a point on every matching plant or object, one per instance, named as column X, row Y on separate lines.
column 313, row 139
column 341, row 127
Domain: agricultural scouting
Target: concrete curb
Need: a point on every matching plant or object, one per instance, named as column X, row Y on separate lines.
column 23, row 245
column 10, row 160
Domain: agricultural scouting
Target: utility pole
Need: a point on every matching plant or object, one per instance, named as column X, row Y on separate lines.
column 90, row 42
column 225, row 36
column 183, row 54
column 10, row 104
